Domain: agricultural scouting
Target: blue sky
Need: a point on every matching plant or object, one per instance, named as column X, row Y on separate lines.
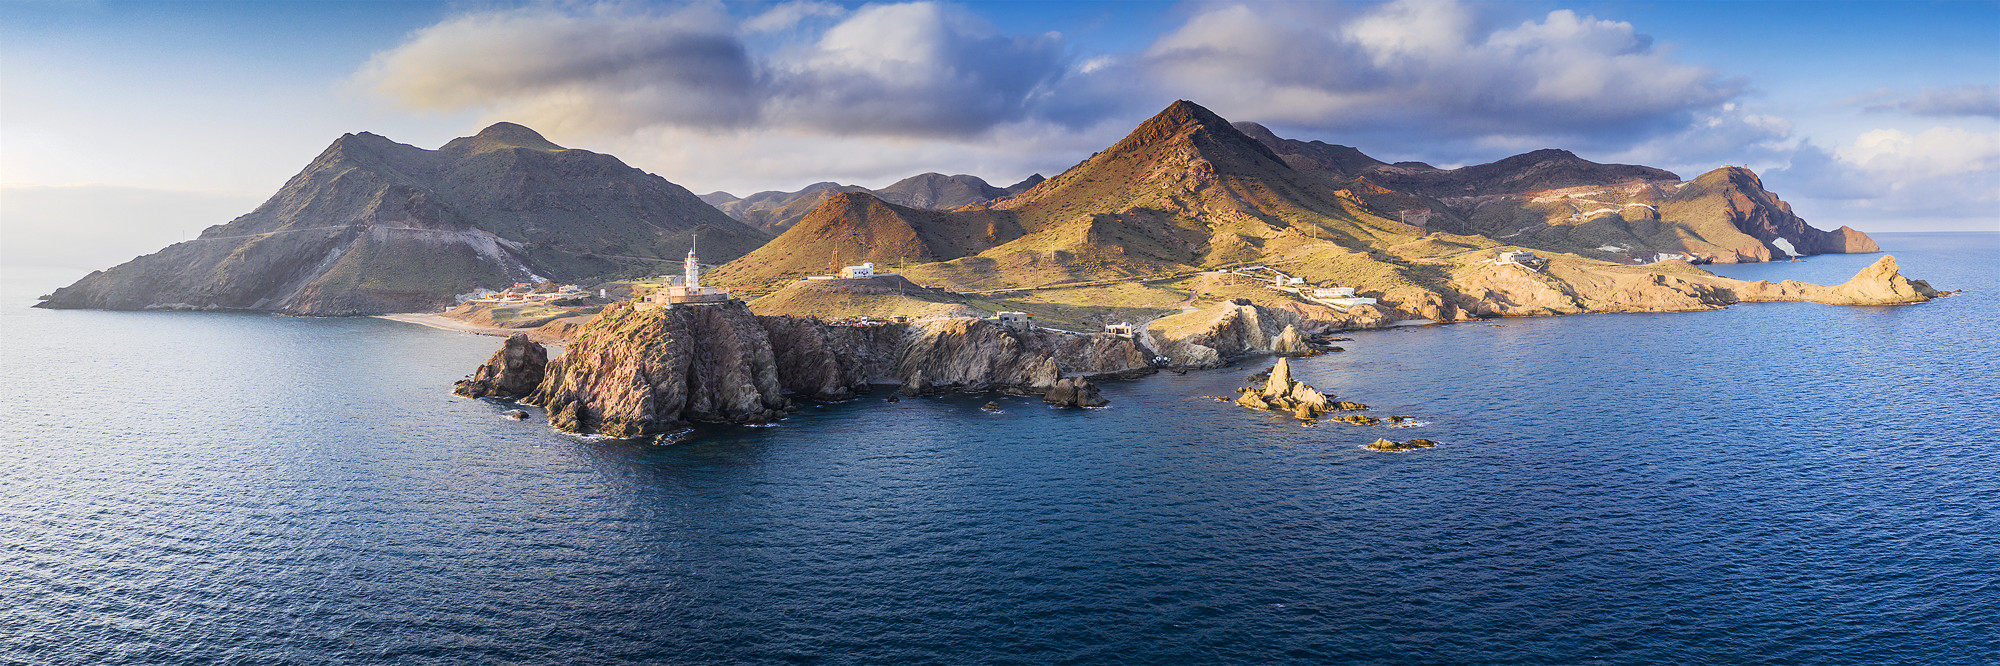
column 1882, row 115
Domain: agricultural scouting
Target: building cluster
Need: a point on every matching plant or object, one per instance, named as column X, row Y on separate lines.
column 529, row 292
column 865, row 270
column 1340, row 296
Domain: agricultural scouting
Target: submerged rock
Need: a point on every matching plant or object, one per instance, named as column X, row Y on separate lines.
column 513, row 372
column 990, row 407
column 515, row 414
column 1074, row 392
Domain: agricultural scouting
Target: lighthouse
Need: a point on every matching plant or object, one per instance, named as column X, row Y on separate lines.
column 689, row 291
column 693, row 268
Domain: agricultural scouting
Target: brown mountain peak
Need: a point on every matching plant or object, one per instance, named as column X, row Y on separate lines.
column 499, row 136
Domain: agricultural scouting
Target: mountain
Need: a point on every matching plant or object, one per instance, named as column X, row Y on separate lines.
column 939, row 191
column 1025, row 184
column 1552, row 199
column 777, row 211
column 1311, row 156
column 849, row 228
column 774, row 211
column 374, row 226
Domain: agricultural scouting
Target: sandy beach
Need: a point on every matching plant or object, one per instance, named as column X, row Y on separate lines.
column 442, row 322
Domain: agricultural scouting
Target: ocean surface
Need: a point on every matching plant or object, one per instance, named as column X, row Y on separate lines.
column 1771, row 483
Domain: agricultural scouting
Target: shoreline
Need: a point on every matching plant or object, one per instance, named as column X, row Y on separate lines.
column 444, row 323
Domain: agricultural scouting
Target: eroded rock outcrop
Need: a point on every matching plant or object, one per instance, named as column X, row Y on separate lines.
column 966, row 354
column 1219, row 335
column 513, row 372
column 1074, row 392
column 636, row 372
column 1881, row 283
column 1280, row 393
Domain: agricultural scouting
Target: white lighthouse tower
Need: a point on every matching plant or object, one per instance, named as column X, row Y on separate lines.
column 693, row 266
column 689, row 291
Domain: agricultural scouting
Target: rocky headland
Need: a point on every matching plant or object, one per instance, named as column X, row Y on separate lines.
column 637, row 371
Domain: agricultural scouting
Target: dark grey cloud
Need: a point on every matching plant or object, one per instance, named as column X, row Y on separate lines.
column 1433, row 68
column 911, row 69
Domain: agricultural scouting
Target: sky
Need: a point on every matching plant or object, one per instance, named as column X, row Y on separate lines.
column 126, row 126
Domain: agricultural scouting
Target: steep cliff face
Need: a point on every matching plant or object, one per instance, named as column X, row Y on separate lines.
column 832, row 362
column 636, row 372
column 1217, row 336
column 976, row 354
column 1741, row 200
column 513, row 372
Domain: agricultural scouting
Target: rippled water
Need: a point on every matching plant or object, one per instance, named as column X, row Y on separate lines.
column 1768, row 483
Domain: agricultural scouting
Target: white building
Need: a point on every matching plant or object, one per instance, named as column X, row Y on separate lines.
column 1020, row 321
column 1523, row 259
column 862, row 271
column 1342, row 297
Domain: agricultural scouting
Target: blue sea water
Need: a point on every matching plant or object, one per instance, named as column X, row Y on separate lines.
column 1771, row 483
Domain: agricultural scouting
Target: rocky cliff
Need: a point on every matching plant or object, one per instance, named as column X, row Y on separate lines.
column 634, row 372
column 513, row 372
column 967, row 354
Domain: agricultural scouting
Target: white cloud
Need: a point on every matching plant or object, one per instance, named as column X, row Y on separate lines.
column 1935, row 152
column 788, row 15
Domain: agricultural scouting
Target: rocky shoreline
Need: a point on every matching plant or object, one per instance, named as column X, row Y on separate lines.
column 635, row 371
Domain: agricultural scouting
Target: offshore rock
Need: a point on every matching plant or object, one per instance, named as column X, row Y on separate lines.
column 1393, row 446
column 513, row 372
column 637, row 372
column 1074, row 392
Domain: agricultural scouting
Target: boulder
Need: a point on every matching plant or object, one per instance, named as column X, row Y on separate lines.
column 515, row 414
column 511, row 373
column 990, row 407
column 1074, row 392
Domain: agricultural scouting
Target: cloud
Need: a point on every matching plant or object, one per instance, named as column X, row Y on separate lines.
column 921, row 68
column 1432, row 67
column 1968, row 100
column 912, row 69
column 788, row 15
column 602, row 68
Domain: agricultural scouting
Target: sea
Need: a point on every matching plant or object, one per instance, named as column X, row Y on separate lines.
column 1769, row 483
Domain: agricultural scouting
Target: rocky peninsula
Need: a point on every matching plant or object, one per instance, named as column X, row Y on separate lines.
column 638, row 371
